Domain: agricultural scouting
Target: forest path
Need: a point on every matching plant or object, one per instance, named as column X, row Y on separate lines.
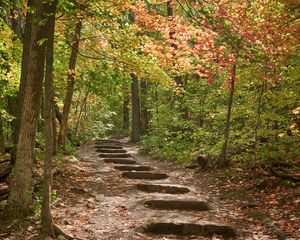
column 115, row 193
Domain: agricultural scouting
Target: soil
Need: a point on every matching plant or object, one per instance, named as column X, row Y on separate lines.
column 96, row 200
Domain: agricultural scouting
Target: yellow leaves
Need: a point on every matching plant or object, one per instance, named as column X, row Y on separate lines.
column 296, row 110
column 71, row 71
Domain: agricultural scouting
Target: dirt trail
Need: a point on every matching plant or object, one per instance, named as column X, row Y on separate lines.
column 122, row 195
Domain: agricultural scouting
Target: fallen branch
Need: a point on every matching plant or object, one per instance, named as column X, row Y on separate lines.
column 3, row 192
column 58, row 231
column 285, row 176
column 5, row 168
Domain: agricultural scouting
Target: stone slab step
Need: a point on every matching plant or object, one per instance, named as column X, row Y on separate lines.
column 101, row 150
column 133, row 168
column 207, row 230
column 120, row 161
column 144, row 175
column 158, row 188
column 114, row 155
column 109, row 147
column 186, row 205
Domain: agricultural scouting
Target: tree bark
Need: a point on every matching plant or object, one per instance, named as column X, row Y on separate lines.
column 126, row 114
column 14, row 17
column 70, row 86
column 46, row 217
column 12, row 104
column 54, row 128
column 223, row 161
column 23, row 81
column 20, row 196
column 144, row 110
column 136, row 126
column 2, row 146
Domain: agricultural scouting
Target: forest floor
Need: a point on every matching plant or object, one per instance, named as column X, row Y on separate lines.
column 93, row 200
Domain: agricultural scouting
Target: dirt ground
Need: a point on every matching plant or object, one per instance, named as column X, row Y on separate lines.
column 94, row 201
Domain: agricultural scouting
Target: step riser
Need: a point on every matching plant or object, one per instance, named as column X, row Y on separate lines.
column 178, row 205
column 144, row 175
column 114, row 155
column 120, row 161
column 133, row 168
column 190, row 229
column 162, row 189
column 108, row 147
column 111, row 150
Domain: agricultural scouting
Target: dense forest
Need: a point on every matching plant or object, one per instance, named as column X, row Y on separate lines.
column 214, row 83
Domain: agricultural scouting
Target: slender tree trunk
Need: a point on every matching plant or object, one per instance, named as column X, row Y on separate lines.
column 20, row 196
column 2, row 147
column 178, row 79
column 83, row 103
column 156, row 99
column 144, row 110
column 46, row 217
column 126, row 114
column 70, row 86
column 258, row 121
column 54, row 127
column 223, row 161
column 12, row 104
column 136, row 125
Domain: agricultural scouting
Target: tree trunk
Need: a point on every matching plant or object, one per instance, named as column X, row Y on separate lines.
column 54, row 128
column 46, row 217
column 2, row 146
column 12, row 104
column 70, row 86
column 83, row 103
column 136, row 126
column 223, row 161
column 144, row 110
column 23, row 81
column 20, row 196
column 126, row 114
column 14, row 17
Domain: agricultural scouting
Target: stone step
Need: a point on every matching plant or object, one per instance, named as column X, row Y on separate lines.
column 109, row 147
column 107, row 141
column 111, row 150
column 108, row 144
column 186, row 205
column 114, row 155
column 120, row 161
column 133, row 168
column 206, row 230
column 144, row 175
column 168, row 189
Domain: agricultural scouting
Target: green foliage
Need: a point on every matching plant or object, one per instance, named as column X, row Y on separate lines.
column 264, row 124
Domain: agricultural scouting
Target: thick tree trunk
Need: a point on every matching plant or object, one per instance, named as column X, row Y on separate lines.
column 136, row 126
column 20, row 196
column 144, row 110
column 46, row 217
column 70, row 86
column 126, row 114
column 223, row 161
column 23, row 81
column 2, row 146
